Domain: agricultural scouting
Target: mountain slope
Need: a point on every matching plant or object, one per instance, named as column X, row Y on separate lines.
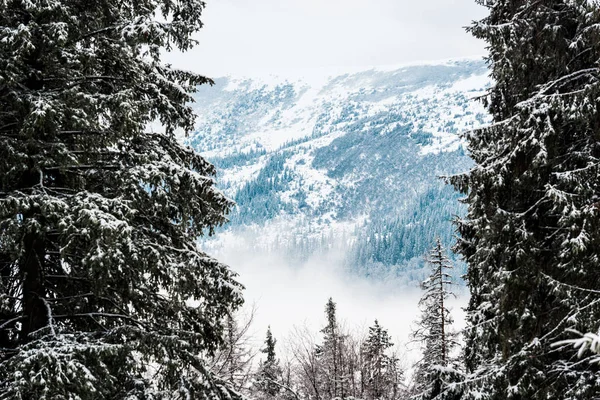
column 345, row 162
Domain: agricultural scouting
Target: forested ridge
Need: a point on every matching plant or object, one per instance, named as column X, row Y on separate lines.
column 350, row 160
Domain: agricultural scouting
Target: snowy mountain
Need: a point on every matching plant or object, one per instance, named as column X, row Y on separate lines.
column 345, row 162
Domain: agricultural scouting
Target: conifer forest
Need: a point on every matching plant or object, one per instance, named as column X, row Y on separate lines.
column 133, row 189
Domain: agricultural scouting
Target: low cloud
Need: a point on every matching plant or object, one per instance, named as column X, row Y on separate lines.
column 287, row 295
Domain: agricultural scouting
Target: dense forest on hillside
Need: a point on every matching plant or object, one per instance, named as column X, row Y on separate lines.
column 344, row 162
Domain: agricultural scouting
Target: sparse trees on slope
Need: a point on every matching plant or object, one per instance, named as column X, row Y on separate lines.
column 104, row 293
column 434, row 331
column 531, row 236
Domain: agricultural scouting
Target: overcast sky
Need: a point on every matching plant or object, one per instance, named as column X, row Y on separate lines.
column 271, row 36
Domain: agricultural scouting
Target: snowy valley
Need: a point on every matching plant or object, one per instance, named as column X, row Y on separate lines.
column 323, row 162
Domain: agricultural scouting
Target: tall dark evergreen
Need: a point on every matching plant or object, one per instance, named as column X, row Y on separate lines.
column 104, row 293
column 437, row 368
column 268, row 378
column 531, row 236
column 331, row 356
column 382, row 372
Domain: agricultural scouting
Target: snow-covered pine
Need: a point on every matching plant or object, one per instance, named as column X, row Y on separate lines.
column 268, row 383
column 532, row 233
column 104, row 293
column 383, row 375
column 436, row 370
column 584, row 342
column 331, row 355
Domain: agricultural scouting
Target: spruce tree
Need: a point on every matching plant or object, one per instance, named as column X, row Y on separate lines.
column 584, row 342
column 331, row 356
column 531, row 235
column 269, row 372
column 436, row 369
column 104, row 293
column 382, row 371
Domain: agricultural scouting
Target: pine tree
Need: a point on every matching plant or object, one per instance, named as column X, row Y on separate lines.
column 104, row 293
column 382, row 372
column 531, row 235
column 584, row 342
column 331, row 356
column 269, row 372
column 436, row 369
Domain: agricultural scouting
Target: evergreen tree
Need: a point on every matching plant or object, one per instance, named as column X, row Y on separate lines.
column 331, row 356
column 382, row 373
column 104, row 293
column 269, row 372
column 531, row 235
column 585, row 342
column 434, row 371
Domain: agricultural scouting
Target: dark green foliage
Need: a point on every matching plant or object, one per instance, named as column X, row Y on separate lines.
column 531, row 236
column 258, row 199
column 396, row 242
column 330, row 353
column 381, row 373
column 268, row 378
column 104, row 293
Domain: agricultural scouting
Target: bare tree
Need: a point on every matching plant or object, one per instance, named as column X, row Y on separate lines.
column 233, row 362
column 302, row 346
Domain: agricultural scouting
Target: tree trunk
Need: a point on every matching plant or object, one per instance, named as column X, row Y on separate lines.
column 35, row 314
column 5, row 271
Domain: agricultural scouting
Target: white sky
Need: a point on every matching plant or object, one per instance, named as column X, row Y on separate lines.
column 271, row 36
